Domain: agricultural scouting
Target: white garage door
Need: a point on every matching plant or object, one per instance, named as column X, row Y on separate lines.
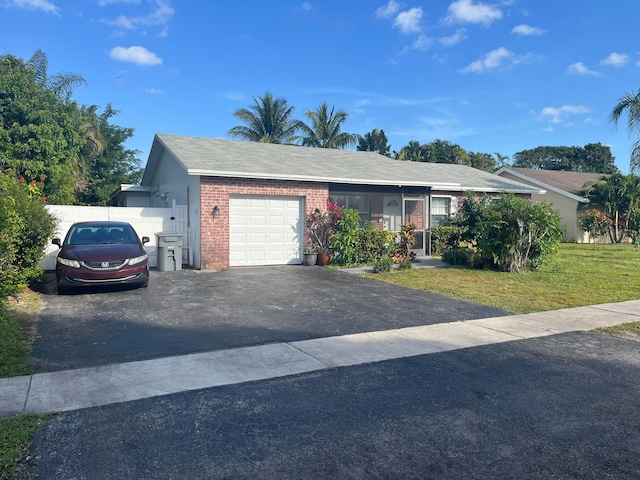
column 265, row 230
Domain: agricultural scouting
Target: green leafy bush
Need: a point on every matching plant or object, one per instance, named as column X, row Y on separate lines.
column 445, row 237
column 458, row 256
column 352, row 245
column 509, row 232
column 383, row 264
column 25, row 227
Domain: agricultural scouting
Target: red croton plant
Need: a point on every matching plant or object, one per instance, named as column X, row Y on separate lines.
column 320, row 227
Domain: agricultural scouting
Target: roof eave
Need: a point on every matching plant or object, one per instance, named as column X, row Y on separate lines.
column 313, row 178
column 544, row 185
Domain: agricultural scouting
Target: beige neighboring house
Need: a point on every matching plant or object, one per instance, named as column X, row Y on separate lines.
column 562, row 190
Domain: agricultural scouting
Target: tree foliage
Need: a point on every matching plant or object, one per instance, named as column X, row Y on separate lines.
column 374, row 141
column 630, row 103
column 618, row 196
column 268, row 120
column 325, row 129
column 592, row 158
column 45, row 134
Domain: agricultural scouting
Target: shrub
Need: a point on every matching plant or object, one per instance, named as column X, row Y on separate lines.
column 25, row 227
column 595, row 223
column 405, row 264
column 445, row 237
column 383, row 264
column 407, row 238
column 458, row 256
column 352, row 245
column 510, row 233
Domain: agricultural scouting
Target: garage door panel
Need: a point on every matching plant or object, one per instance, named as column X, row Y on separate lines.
column 265, row 230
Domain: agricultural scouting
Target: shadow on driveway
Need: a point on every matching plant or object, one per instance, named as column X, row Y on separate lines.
column 191, row 311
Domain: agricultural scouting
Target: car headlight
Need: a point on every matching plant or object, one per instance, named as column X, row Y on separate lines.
column 141, row 258
column 68, row 262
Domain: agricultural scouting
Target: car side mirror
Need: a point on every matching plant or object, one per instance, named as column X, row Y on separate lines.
column 145, row 240
column 56, row 241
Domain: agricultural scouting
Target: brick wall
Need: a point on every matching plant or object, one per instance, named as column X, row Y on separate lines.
column 215, row 191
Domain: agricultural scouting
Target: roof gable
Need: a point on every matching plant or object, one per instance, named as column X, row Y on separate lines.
column 229, row 158
column 566, row 183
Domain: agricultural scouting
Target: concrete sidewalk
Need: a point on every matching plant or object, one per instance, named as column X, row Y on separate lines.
column 90, row 387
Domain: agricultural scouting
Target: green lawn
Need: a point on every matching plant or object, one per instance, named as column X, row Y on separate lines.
column 578, row 275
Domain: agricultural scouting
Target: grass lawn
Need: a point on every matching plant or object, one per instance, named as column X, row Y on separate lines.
column 16, row 431
column 579, row 275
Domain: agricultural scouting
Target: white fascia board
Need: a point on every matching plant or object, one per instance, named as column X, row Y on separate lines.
column 493, row 190
column 570, row 195
column 305, row 178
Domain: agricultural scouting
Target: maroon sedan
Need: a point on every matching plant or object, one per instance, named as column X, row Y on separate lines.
column 101, row 253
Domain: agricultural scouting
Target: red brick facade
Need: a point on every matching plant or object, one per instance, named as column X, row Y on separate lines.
column 215, row 191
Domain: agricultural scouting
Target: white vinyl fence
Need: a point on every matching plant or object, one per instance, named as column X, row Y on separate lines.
column 147, row 221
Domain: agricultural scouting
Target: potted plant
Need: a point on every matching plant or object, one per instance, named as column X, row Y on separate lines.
column 310, row 253
column 320, row 227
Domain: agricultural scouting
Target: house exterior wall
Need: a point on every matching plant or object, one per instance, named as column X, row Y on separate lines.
column 169, row 182
column 567, row 207
column 215, row 191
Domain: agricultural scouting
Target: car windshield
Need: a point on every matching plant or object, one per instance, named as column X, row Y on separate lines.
column 93, row 235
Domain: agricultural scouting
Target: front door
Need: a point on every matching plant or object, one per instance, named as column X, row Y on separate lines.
column 392, row 212
column 415, row 212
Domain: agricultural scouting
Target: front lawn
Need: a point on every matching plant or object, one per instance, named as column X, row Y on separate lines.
column 578, row 275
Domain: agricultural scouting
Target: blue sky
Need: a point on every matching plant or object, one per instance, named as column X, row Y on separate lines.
column 498, row 76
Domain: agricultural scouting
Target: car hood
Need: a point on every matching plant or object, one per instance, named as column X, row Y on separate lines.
column 101, row 253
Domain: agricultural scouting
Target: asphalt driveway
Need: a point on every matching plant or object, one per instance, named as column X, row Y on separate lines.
column 195, row 311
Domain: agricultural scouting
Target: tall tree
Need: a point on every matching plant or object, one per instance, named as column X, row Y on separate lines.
column 62, row 83
column 324, row 129
column 374, row 141
column 482, row 161
column 412, row 152
column 592, row 158
column 444, row 151
column 78, row 153
column 618, row 196
column 630, row 103
column 502, row 160
column 38, row 131
column 268, row 120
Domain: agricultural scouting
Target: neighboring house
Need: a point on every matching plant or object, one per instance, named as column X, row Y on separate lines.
column 562, row 190
column 247, row 201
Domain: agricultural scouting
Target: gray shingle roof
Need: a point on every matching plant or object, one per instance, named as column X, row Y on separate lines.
column 571, row 182
column 229, row 158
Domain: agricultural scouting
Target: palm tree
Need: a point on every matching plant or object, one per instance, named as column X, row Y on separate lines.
column 616, row 195
column 324, row 129
column 629, row 102
column 374, row 141
column 412, row 152
column 267, row 121
column 62, row 84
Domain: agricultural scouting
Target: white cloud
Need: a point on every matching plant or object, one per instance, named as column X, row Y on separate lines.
column 159, row 16
column 526, row 30
column 459, row 36
column 44, row 5
column 305, row 7
column 153, row 91
column 136, row 54
column 616, row 60
column 580, row 68
column 388, row 10
column 491, row 61
column 560, row 114
column 409, row 21
column 465, row 11
column 422, row 43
